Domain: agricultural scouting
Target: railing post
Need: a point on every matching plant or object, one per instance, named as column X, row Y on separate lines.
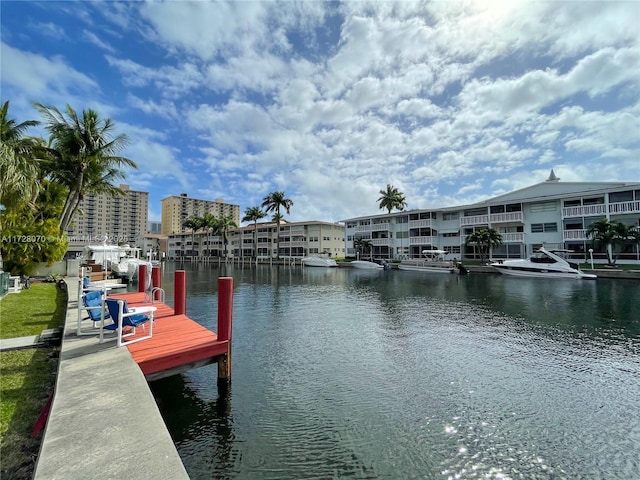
column 225, row 326
column 142, row 277
column 180, row 292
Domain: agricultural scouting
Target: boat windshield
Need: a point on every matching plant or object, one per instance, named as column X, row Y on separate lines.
column 540, row 257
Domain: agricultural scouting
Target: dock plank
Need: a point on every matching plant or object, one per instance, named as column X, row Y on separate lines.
column 177, row 340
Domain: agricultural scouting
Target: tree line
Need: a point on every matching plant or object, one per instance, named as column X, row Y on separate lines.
column 44, row 180
column 274, row 203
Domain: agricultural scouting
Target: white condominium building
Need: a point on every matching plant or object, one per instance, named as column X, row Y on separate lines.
column 178, row 208
column 297, row 239
column 122, row 218
column 552, row 213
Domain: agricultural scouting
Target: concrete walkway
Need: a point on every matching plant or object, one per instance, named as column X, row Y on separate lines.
column 47, row 337
column 104, row 422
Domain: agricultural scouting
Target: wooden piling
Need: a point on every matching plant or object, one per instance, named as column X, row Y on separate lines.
column 142, row 277
column 156, row 277
column 156, row 281
column 180, row 292
column 225, row 326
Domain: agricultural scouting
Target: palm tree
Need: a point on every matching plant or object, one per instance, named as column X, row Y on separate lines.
column 272, row 203
column 485, row 239
column 363, row 245
column 253, row 214
column 224, row 224
column 87, row 162
column 194, row 224
column 209, row 225
column 612, row 235
column 392, row 198
column 19, row 168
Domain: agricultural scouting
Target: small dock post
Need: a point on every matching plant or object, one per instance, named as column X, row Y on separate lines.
column 225, row 327
column 156, row 281
column 142, row 277
column 180, row 292
column 156, row 277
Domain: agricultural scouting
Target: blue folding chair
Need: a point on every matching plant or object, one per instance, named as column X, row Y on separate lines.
column 122, row 317
column 93, row 303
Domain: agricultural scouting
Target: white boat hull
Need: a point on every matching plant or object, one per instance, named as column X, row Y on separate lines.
column 319, row 262
column 516, row 272
column 543, row 264
column 427, row 267
column 363, row 264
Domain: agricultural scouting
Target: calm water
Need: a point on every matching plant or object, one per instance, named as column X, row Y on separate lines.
column 341, row 373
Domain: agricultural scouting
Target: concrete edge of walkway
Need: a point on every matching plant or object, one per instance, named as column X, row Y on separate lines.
column 104, row 422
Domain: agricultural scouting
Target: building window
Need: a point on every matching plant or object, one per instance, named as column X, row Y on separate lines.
column 543, row 207
column 451, row 216
column 475, row 211
column 544, row 227
column 616, row 197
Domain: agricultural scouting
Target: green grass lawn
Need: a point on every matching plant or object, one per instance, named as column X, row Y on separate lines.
column 31, row 311
column 26, row 376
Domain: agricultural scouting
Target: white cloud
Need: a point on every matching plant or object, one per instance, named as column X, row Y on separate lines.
column 155, row 160
column 97, row 41
column 39, row 77
column 169, row 81
column 449, row 100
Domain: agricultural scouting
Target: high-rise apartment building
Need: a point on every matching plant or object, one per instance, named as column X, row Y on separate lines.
column 177, row 208
column 121, row 218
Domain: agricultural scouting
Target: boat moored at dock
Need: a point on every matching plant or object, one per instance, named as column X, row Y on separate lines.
column 543, row 263
column 319, row 262
column 366, row 265
column 433, row 261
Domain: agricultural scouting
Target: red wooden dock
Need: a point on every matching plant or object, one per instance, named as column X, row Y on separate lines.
column 178, row 343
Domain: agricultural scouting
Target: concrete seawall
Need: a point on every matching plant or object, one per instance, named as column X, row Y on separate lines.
column 104, row 422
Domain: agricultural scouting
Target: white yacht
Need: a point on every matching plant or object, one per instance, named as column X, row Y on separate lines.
column 364, row 264
column 319, row 262
column 543, row 263
column 122, row 260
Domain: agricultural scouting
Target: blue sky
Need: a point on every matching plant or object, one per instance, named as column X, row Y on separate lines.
column 450, row 102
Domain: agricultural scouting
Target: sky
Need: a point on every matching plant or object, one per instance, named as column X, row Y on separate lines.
column 450, row 102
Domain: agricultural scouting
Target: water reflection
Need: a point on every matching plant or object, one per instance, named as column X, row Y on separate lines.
column 189, row 417
column 387, row 374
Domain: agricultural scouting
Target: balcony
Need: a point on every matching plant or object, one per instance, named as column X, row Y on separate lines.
column 585, row 211
column 423, row 223
column 380, row 242
column 380, row 227
column 601, row 209
column 507, row 217
column 292, row 244
column 474, row 220
column 517, row 237
column 625, row 207
column 422, row 240
column 579, row 234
